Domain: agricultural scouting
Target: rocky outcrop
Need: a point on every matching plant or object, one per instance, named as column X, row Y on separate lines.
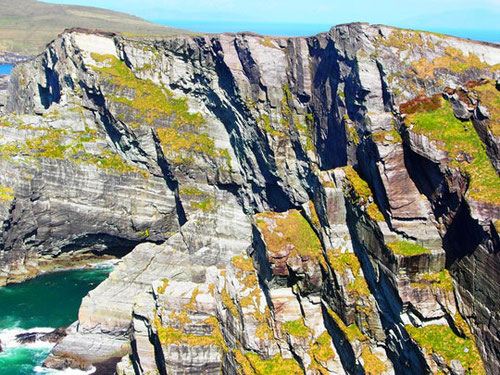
column 303, row 205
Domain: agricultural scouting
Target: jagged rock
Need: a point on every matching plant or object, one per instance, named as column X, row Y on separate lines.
column 31, row 337
column 220, row 169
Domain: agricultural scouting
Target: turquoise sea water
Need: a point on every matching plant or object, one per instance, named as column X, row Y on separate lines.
column 5, row 68
column 41, row 304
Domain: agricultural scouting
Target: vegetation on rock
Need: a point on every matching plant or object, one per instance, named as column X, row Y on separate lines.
column 457, row 137
column 441, row 339
column 406, row 248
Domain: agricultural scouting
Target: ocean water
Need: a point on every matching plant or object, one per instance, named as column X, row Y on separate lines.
column 5, row 69
column 41, row 305
column 306, row 29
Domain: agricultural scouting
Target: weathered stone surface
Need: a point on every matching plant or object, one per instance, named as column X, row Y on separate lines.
column 219, row 168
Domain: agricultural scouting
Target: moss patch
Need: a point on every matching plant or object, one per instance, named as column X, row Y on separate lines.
column 340, row 262
column 442, row 340
column 289, row 228
column 322, row 350
column 359, row 193
column 407, row 248
column 372, row 363
column 251, row 363
column 490, row 97
column 457, row 137
column 6, row 193
column 63, row 144
column 151, row 102
column 296, row 328
column 453, row 60
column 441, row 280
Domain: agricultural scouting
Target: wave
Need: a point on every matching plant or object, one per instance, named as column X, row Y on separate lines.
column 106, row 264
column 8, row 338
column 68, row 371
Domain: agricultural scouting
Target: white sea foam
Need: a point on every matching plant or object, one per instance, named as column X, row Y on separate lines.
column 8, row 338
column 68, row 371
column 111, row 263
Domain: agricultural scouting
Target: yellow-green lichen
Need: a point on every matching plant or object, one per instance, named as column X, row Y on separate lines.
column 440, row 280
column 289, row 228
column 406, row 248
column 6, row 193
column 251, row 363
column 459, row 138
column 373, row 365
column 296, row 328
column 360, row 193
column 441, row 339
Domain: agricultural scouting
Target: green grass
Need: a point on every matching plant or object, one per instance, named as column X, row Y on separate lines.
column 291, row 228
column 440, row 280
column 454, row 60
column 251, row 363
column 407, row 248
column 26, row 26
column 296, row 328
column 490, row 97
column 6, row 193
column 181, row 141
column 61, row 144
column 322, row 350
column 457, row 137
column 442, row 340
column 359, row 193
column 340, row 262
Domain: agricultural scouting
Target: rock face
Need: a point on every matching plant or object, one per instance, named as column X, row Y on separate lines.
column 320, row 205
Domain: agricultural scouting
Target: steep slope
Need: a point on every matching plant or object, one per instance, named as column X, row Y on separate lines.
column 303, row 205
column 26, row 26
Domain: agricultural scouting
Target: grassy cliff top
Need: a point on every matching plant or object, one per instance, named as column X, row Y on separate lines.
column 26, row 26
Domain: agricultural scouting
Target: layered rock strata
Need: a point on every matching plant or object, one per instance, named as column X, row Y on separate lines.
column 282, row 205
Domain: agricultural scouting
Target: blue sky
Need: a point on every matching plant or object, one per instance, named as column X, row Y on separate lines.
column 238, row 15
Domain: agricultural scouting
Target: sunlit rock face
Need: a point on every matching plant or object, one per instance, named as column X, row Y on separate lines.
column 321, row 205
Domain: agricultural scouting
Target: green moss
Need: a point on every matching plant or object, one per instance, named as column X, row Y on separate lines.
column 340, row 262
column 194, row 192
column 205, row 205
column 372, row 363
column 391, row 136
column 441, row 280
column 296, row 328
column 351, row 332
column 61, row 144
column 268, row 127
column 289, row 228
column 359, row 193
column 151, row 102
column 454, row 60
column 171, row 336
column 402, row 39
column 490, row 97
column 442, row 340
column 351, row 131
column 457, row 137
column 321, row 350
column 407, row 248
column 251, row 363
column 267, row 42
column 6, row 193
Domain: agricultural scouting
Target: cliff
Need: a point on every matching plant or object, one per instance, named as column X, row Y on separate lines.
column 314, row 205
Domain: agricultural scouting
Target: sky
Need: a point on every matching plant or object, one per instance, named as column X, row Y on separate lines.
column 310, row 16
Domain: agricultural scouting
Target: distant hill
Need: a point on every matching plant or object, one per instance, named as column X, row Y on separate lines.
column 26, row 26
